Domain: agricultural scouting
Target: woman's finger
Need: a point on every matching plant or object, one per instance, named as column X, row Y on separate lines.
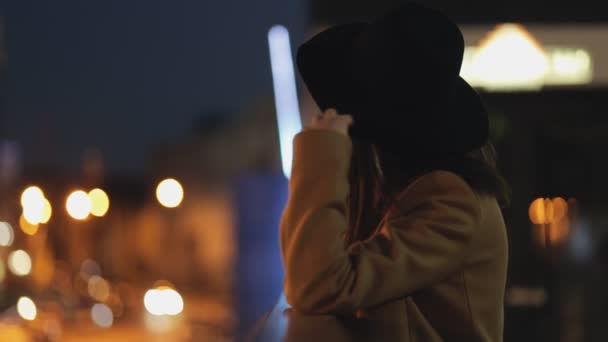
column 347, row 118
column 317, row 118
column 330, row 113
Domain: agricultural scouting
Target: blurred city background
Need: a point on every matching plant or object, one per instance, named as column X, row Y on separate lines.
column 144, row 149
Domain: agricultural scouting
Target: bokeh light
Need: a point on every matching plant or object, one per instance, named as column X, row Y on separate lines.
column 170, row 193
column 100, row 202
column 545, row 211
column 20, row 263
column 163, row 301
column 551, row 219
column 559, row 231
column 78, row 205
column 560, row 209
column 33, row 214
column 33, row 203
column 537, row 211
column 161, row 324
column 27, row 227
column 494, row 60
column 26, row 308
column 98, row 288
column 285, row 92
column 33, row 195
column 102, row 316
column 7, row 234
column 47, row 212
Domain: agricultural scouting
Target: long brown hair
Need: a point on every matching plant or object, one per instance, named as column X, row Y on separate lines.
column 377, row 177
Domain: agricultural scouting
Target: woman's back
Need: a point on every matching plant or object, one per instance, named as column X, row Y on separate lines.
column 434, row 271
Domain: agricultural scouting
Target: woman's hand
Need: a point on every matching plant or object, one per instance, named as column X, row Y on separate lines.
column 332, row 121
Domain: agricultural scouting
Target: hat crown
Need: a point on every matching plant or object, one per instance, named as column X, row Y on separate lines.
column 398, row 76
column 412, row 43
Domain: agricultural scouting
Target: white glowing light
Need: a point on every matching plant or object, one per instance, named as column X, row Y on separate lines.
column 7, row 234
column 79, row 205
column 285, row 93
column 35, row 205
column 102, row 315
column 570, row 66
column 33, row 195
column 26, row 308
column 170, row 193
column 508, row 57
column 163, row 301
column 20, row 263
column 33, row 214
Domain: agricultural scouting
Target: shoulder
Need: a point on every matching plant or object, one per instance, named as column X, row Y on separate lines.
column 440, row 190
column 438, row 182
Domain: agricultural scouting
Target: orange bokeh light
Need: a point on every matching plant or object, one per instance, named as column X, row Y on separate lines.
column 551, row 220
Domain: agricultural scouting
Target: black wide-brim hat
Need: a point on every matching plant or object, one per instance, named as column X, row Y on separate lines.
column 398, row 76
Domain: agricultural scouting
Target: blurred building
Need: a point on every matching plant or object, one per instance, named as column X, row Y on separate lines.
column 224, row 164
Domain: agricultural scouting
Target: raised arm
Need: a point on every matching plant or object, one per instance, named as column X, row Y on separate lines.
column 422, row 241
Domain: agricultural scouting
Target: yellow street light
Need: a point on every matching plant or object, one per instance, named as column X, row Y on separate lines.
column 100, row 202
column 27, row 227
column 47, row 212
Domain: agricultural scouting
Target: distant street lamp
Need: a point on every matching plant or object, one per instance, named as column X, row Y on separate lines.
column 35, row 206
column 163, row 300
column 31, row 196
column 20, row 263
column 7, row 234
column 170, row 193
column 550, row 219
column 78, row 205
column 100, row 202
column 26, row 308
column 47, row 212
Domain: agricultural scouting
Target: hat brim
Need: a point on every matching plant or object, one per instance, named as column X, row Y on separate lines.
column 325, row 65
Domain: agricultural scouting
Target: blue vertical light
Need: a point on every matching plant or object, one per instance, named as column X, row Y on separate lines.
column 285, row 93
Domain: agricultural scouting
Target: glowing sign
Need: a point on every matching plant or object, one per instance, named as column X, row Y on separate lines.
column 285, row 93
column 510, row 58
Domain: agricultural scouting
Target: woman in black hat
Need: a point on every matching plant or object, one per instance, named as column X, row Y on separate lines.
column 393, row 220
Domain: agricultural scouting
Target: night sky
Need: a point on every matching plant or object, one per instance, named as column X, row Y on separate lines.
column 122, row 75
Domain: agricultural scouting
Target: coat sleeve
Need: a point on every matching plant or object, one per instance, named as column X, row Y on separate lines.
column 422, row 241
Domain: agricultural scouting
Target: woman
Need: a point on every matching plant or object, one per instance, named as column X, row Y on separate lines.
column 393, row 222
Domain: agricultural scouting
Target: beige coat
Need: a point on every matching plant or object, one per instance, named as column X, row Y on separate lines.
column 434, row 271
